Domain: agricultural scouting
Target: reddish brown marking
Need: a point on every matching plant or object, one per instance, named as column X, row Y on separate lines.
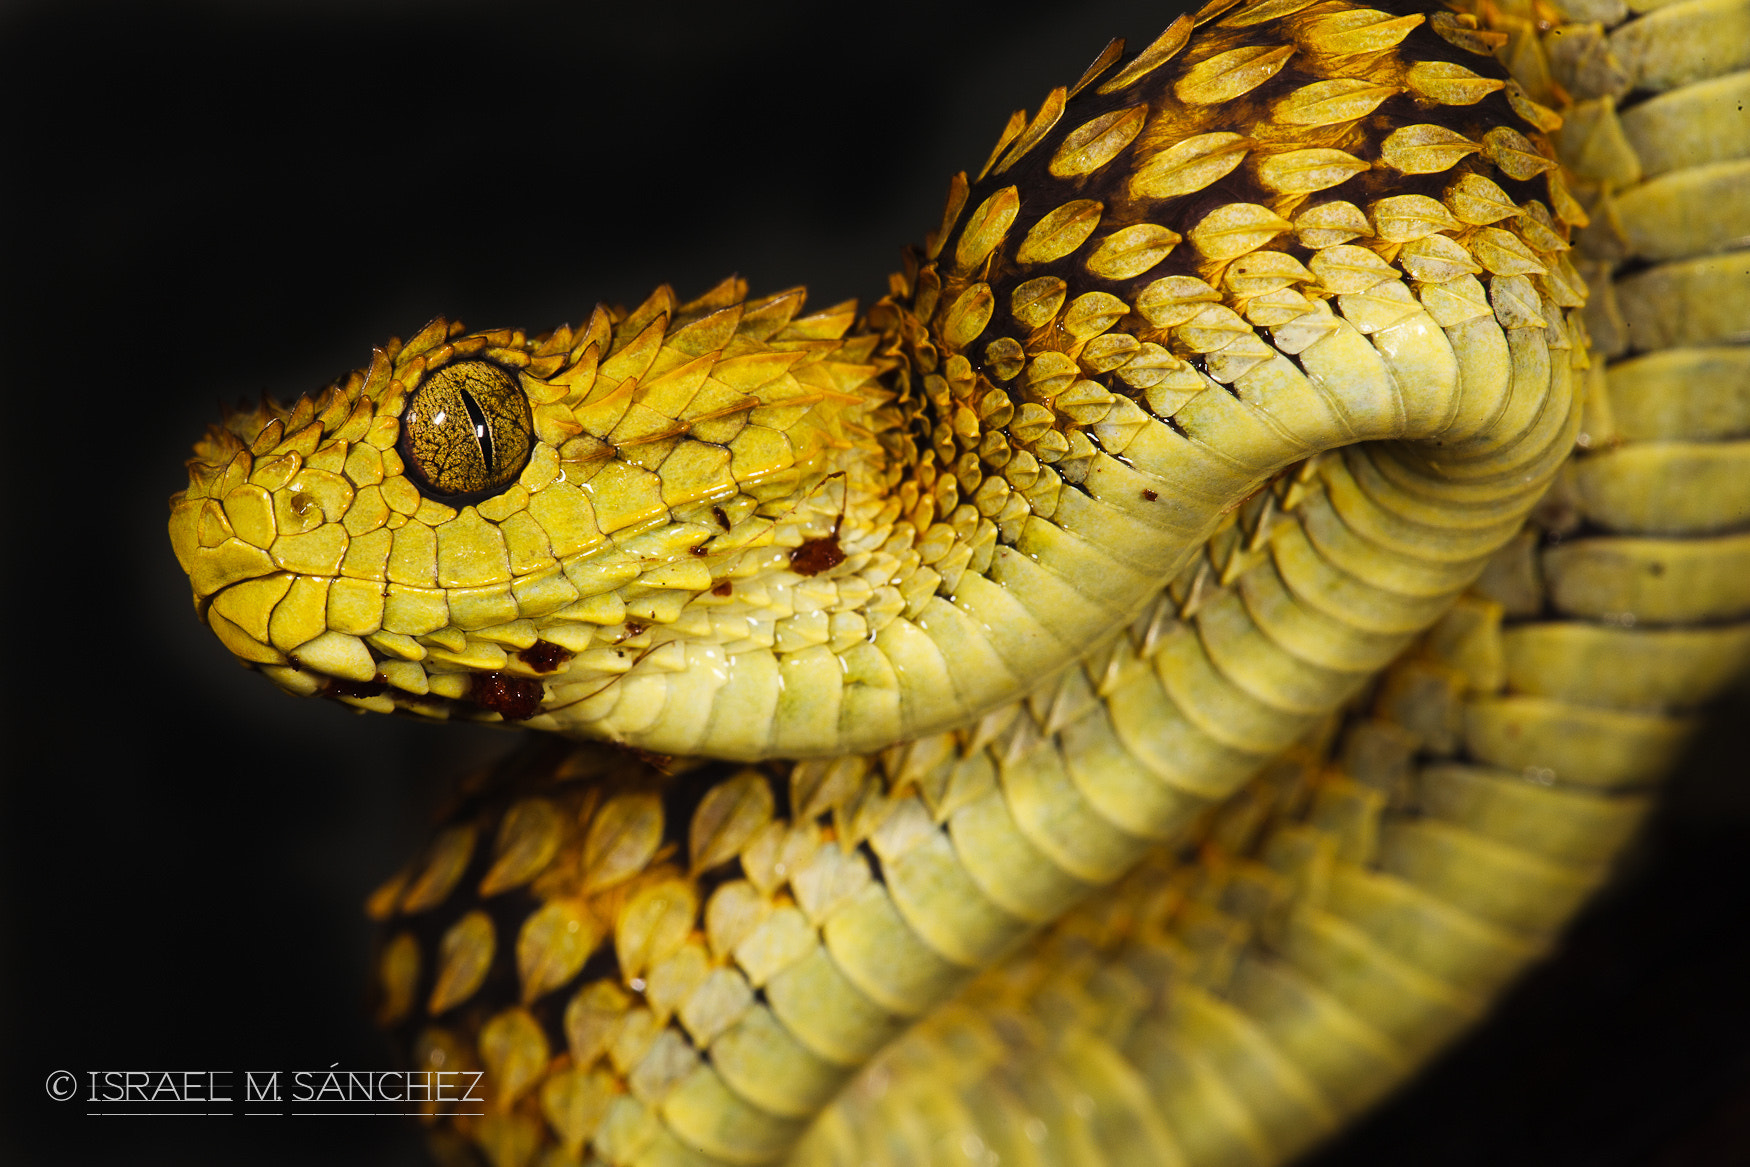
column 664, row 764
column 699, row 550
column 633, row 628
column 340, row 687
column 722, row 517
column 544, row 656
column 1150, row 495
column 817, row 555
column 723, row 589
column 512, row 698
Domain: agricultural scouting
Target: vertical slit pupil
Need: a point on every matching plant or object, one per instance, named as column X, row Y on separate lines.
column 482, row 431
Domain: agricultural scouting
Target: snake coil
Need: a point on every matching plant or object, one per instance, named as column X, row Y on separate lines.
column 1241, row 372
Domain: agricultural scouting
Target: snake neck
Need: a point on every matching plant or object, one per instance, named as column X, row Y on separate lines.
column 722, row 527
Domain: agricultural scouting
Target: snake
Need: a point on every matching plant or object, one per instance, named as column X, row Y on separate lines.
column 1131, row 694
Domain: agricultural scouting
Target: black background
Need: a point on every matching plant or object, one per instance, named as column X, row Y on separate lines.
column 203, row 201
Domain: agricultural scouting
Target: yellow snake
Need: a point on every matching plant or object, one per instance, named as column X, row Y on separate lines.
column 1036, row 618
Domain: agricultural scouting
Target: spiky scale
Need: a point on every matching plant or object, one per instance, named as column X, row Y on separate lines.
column 1203, row 300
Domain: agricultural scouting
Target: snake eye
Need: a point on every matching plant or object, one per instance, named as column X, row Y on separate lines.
column 466, row 433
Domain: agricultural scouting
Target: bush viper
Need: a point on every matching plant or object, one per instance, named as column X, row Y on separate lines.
column 1248, row 366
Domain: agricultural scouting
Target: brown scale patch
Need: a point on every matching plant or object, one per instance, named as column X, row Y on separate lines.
column 544, row 656
column 723, row 589
column 1149, row 495
column 340, row 687
column 512, row 698
column 817, row 555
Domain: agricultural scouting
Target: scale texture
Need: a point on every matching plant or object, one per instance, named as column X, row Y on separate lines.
column 1131, row 695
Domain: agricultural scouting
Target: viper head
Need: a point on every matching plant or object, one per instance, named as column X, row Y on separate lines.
column 495, row 525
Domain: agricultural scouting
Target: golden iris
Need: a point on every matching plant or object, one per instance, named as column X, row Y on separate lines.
column 466, row 433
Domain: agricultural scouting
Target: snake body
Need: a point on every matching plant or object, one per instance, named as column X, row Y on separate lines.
column 1035, row 621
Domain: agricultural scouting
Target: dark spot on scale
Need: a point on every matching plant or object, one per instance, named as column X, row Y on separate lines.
column 544, row 656
column 661, row 763
column 633, row 628
column 699, row 550
column 817, row 555
column 1150, row 495
column 341, row 687
column 1655, row 569
column 723, row 589
column 512, row 698
column 722, row 517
